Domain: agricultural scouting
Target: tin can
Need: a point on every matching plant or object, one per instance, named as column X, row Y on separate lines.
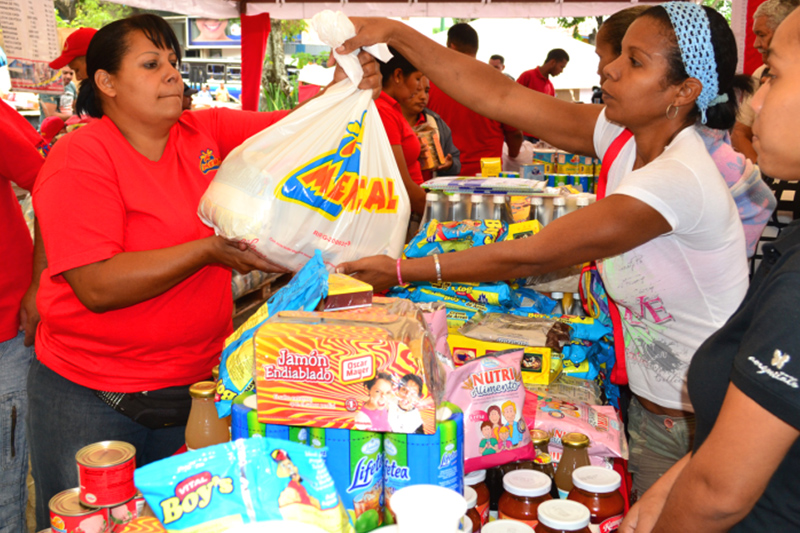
column 68, row 514
column 120, row 516
column 105, row 472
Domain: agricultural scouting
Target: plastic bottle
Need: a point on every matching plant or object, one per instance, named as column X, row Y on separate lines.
column 434, row 209
column 428, row 508
column 582, row 201
column 559, row 207
column 558, row 310
column 498, row 207
column 204, row 427
column 537, row 209
column 456, row 209
column 577, row 306
column 575, row 455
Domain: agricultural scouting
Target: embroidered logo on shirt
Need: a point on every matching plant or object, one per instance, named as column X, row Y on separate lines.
column 778, row 361
column 208, row 161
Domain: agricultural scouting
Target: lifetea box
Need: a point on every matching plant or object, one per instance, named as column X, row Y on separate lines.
column 365, row 371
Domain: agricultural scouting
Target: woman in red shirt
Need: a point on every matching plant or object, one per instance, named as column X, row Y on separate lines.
column 136, row 298
column 401, row 80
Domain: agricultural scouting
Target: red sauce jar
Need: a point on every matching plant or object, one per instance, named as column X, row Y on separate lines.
column 477, row 480
column 563, row 516
column 524, row 491
column 598, row 489
column 472, row 513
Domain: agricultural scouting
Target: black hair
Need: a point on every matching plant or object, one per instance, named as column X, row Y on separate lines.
column 413, row 378
column 558, row 54
column 721, row 116
column 110, row 44
column 498, row 57
column 379, row 376
column 615, row 26
column 396, row 62
column 463, row 37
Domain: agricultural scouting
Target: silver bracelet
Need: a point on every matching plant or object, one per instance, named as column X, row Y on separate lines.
column 438, row 268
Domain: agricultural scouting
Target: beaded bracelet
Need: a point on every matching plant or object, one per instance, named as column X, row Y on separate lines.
column 399, row 277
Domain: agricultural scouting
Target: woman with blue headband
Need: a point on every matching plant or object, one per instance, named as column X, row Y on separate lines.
column 667, row 237
column 743, row 471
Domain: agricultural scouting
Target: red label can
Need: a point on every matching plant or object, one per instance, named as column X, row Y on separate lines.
column 105, row 471
column 68, row 515
column 118, row 517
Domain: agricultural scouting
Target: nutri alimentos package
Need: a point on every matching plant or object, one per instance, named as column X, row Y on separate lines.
column 490, row 393
column 365, row 371
column 248, row 480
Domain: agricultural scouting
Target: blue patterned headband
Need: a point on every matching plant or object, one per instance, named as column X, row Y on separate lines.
column 693, row 31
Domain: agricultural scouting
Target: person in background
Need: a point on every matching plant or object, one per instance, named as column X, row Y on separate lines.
column 221, row 94
column 670, row 249
column 127, row 254
column 538, row 79
column 188, row 92
column 744, row 379
column 475, row 135
column 417, row 114
column 51, row 128
column 59, row 105
column 74, row 52
column 204, row 96
column 21, row 149
column 401, row 81
column 766, row 19
column 499, row 62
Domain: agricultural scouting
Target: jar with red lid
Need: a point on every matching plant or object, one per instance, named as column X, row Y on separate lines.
column 477, row 480
column 598, row 489
column 563, row 516
column 472, row 513
column 524, row 491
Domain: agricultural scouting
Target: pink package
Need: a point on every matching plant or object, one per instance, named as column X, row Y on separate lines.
column 489, row 390
column 598, row 422
column 436, row 319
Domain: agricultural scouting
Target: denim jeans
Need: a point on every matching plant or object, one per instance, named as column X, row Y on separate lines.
column 63, row 418
column 15, row 359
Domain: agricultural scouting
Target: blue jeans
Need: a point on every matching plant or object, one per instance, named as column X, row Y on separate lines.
column 15, row 359
column 63, row 417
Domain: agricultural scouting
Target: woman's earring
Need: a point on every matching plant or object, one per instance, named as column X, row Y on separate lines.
column 675, row 114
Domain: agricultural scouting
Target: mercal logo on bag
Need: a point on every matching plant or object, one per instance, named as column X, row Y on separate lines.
column 208, row 161
column 331, row 183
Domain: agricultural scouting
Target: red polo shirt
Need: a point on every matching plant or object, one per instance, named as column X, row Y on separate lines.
column 399, row 132
column 475, row 135
column 534, row 79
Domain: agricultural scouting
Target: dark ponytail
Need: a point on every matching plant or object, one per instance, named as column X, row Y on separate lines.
column 109, row 46
column 720, row 116
column 396, row 62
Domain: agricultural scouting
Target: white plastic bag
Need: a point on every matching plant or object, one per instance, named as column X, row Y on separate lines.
column 322, row 178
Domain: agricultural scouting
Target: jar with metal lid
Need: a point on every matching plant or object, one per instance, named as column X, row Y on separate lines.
column 575, row 455
column 563, row 516
column 524, row 491
column 507, row 526
column 204, row 427
column 472, row 513
column 598, row 489
column 543, row 461
column 477, row 480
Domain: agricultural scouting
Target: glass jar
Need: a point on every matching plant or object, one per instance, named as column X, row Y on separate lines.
column 598, row 489
column 576, row 455
column 524, row 491
column 472, row 513
column 507, row 526
column 476, row 480
column 205, row 427
column 563, row 516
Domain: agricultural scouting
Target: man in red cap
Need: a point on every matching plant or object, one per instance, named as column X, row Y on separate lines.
column 74, row 52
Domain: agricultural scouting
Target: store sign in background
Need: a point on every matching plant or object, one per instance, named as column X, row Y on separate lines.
column 30, row 42
column 212, row 33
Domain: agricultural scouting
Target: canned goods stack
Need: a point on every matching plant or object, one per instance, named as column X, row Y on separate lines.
column 106, row 499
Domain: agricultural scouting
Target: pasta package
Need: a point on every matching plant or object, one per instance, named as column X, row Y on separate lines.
column 371, row 371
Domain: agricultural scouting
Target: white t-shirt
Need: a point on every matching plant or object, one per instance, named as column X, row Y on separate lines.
column 676, row 290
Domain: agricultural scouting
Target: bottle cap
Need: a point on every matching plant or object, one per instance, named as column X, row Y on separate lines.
column 582, row 201
column 559, row 200
column 556, row 295
column 564, row 515
column 575, row 440
column 476, row 198
column 537, row 200
column 428, row 508
column 596, row 479
column 432, row 197
column 531, row 483
column 215, row 372
column 203, row 389
column 471, row 496
column 506, row 526
column 466, row 524
column 473, row 478
column 455, row 197
column 539, row 436
column 499, row 199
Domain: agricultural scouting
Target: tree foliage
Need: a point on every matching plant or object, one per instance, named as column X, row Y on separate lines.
column 88, row 13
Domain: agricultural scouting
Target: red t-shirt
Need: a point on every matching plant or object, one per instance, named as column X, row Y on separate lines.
column 533, row 79
column 399, row 132
column 475, row 135
column 96, row 196
column 20, row 161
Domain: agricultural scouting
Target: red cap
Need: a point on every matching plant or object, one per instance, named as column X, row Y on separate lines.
column 50, row 127
column 76, row 45
column 280, row 455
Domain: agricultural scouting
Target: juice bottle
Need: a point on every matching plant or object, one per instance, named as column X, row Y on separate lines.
column 575, row 455
column 204, row 427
